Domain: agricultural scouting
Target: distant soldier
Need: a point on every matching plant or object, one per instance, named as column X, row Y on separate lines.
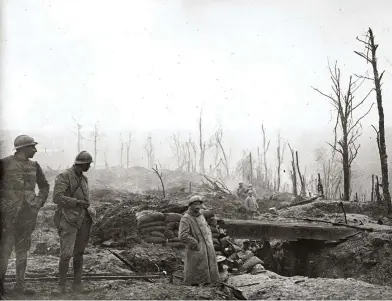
column 73, row 219
column 250, row 188
column 200, row 266
column 241, row 191
column 19, row 207
column 251, row 204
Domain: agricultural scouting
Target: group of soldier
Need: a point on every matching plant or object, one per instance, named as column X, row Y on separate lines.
column 73, row 219
column 19, row 205
column 248, row 195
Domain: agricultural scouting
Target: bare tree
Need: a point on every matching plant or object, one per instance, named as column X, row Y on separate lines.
column 128, row 148
column 106, row 162
column 159, row 174
column 371, row 46
column 202, row 146
column 79, row 134
column 280, row 149
column 218, row 139
column 121, row 155
column 343, row 103
column 301, row 177
column 150, row 151
column 293, row 172
column 329, row 167
column 176, row 148
column 265, row 150
column 95, row 136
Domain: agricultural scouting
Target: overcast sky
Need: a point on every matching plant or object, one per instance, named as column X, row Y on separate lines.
column 153, row 64
column 150, row 66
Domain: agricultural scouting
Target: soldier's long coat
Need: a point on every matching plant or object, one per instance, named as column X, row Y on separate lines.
column 200, row 263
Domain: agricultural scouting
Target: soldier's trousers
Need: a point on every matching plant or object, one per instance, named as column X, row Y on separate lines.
column 73, row 241
column 16, row 232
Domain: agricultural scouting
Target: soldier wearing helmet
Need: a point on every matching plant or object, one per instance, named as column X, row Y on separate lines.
column 19, row 207
column 73, row 219
column 200, row 266
column 241, row 191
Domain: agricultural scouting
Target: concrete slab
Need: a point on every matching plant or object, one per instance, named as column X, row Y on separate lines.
column 254, row 229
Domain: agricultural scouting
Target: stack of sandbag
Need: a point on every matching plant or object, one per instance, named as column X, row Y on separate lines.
column 151, row 226
column 172, row 224
column 250, row 263
column 212, row 221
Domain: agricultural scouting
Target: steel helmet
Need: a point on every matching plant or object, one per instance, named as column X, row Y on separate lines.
column 195, row 198
column 24, row 140
column 83, row 158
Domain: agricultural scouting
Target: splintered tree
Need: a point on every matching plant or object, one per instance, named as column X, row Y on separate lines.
column 150, row 152
column 370, row 55
column 128, row 148
column 279, row 156
column 95, row 135
column 176, row 148
column 345, row 142
column 79, row 134
column 265, row 149
column 202, row 146
column 218, row 140
column 293, row 173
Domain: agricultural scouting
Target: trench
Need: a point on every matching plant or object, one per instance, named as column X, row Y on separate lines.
column 294, row 258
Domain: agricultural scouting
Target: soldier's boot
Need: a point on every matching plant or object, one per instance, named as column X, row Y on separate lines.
column 1, row 288
column 78, row 268
column 20, row 286
column 63, row 270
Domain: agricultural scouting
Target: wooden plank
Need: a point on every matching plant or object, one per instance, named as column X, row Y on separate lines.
column 254, row 229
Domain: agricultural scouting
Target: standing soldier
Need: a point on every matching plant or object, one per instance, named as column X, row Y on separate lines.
column 201, row 266
column 19, row 207
column 241, row 191
column 73, row 219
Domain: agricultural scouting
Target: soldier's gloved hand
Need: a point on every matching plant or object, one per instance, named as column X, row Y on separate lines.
column 83, row 204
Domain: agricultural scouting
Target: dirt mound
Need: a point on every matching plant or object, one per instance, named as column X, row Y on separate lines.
column 270, row 286
column 150, row 258
column 366, row 256
column 321, row 207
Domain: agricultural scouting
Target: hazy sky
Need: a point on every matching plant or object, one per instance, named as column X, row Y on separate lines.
column 153, row 64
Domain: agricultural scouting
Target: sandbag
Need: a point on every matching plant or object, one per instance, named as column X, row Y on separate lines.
column 142, row 213
column 157, row 234
column 169, row 233
column 172, row 217
column 153, row 224
column 152, row 217
column 250, row 263
column 172, row 225
column 216, row 241
column 150, row 229
column 208, row 214
column 214, row 230
column 177, row 245
column 154, row 240
column 175, row 239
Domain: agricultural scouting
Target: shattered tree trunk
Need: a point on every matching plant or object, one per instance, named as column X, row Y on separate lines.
column 372, row 193
column 293, row 173
column 301, row 178
column 381, row 129
column 372, row 47
column 320, row 188
column 251, row 169
column 378, row 194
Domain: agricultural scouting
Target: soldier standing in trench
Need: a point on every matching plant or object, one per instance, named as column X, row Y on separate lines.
column 73, row 219
column 201, row 266
column 19, row 207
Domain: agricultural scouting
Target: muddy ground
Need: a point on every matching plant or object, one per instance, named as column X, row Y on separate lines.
column 357, row 268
